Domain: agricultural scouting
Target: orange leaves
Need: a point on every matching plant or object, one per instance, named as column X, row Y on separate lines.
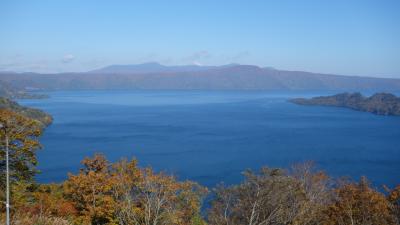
column 90, row 190
column 49, row 201
column 302, row 196
column 154, row 198
column 394, row 195
column 394, row 198
column 21, row 136
column 105, row 193
column 17, row 126
column 358, row 203
column 97, row 164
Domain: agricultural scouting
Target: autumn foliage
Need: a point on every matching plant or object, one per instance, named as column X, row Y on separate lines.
column 302, row 196
column 272, row 196
column 358, row 203
column 22, row 134
column 124, row 193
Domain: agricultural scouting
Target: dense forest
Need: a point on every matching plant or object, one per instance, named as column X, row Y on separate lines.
column 121, row 192
column 379, row 103
column 35, row 114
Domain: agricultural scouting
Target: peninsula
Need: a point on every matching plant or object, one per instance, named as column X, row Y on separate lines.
column 36, row 114
column 379, row 103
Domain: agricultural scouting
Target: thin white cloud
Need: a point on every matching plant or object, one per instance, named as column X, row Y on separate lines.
column 68, row 58
column 197, row 63
column 197, row 58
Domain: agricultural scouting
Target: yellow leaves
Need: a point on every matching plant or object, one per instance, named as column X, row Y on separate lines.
column 123, row 193
column 22, row 134
column 360, row 204
column 394, row 198
column 90, row 190
column 49, row 201
column 97, row 164
column 394, row 195
column 18, row 126
column 104, row 193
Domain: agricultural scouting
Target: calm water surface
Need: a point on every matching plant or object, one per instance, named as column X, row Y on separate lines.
column 211, row 136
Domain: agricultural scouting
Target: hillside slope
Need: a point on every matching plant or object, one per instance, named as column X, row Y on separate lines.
column 8, row 91
column 380, row 103
column 36, row 114
column 233, row 77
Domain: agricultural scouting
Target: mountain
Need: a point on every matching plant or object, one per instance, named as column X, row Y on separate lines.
column 43, row 118
column 380, row 103
column 151, row 67
column 228, row 77
column 8, row 91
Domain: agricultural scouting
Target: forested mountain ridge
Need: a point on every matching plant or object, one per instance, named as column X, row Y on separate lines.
column 35, row 114
column 379, row 103
column 228, row 77
column 8, row 91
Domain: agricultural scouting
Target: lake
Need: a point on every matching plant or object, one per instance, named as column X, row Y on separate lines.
column 212, row 136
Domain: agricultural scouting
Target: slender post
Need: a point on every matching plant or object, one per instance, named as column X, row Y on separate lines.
column 7, row 182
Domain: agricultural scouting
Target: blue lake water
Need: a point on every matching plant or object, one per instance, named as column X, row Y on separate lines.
column 211, row 136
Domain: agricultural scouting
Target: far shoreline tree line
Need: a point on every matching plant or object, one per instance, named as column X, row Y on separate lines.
column 124, row 193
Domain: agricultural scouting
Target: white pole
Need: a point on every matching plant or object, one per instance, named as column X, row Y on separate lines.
column 8, row 182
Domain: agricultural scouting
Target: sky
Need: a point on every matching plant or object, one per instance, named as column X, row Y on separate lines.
column 349, row 37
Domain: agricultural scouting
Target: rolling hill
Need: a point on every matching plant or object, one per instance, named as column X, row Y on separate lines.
column 228, row 77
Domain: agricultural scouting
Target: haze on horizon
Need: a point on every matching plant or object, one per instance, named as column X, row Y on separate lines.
column 338, row 37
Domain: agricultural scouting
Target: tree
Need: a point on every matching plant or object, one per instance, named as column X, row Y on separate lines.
column 48, row 201
column 359, row 204
column 91, row 191
column 126, row 175
column 122, row 193
column 22, row 134
column 317, row 188
column 19, row 137
column 149, row 198
column 271, row 196
column 394, row 199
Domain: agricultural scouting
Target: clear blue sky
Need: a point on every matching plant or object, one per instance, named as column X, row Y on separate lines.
column 354, row 37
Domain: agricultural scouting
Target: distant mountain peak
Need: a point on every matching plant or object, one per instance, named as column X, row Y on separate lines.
column 155, row 67
column 153, row 75
column 240, row 67
column 231, row 65
column 131, row 68
column 151, row 63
